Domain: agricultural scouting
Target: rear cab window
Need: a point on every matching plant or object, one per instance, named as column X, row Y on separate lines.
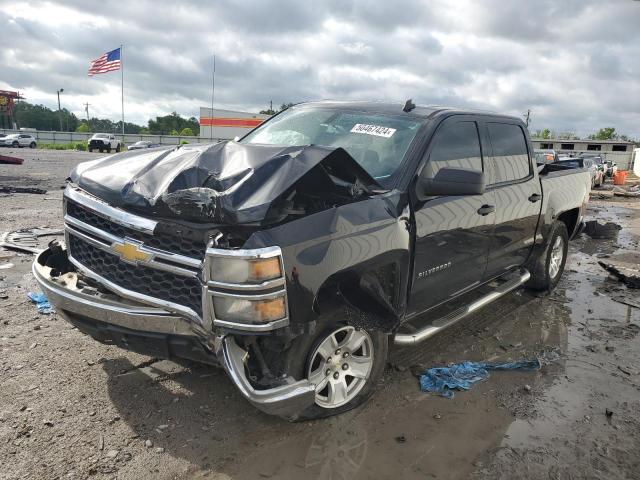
column 510, row 155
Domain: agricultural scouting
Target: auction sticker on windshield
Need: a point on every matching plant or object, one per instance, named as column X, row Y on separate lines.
column 376, row 130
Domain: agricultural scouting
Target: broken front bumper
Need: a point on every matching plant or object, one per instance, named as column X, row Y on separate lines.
column 112, row 319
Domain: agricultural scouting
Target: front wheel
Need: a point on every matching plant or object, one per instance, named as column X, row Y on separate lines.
column 345, row 363
column 15, row 145
column 548, row 267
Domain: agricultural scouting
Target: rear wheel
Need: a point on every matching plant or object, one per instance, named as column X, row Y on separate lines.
column 548, row 268
column 32, row 145
column 117, row 148
column 345, row 363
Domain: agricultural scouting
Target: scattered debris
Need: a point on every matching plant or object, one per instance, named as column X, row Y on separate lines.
column 628, row 276
column 608, row 413
column 26, row 239
column 101, row 442
column 12, row 189
column 148, row 443
column 401, row 439
column 626, row 301
column 623, row 370
column 601, row 194
column 6, row 266
column 5, row 159
column 621, row 192
column 461, row 376
column 41, row 301
column 601, row 231
column 112, row 453
column 527, row 388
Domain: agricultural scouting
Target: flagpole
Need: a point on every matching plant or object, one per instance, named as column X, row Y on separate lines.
column 213, row 91
column 122, row 88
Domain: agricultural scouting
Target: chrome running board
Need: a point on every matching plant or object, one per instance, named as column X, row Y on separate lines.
column 516, row 280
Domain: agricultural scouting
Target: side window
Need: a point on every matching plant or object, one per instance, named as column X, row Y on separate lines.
column 458, row 146
column 509, row 152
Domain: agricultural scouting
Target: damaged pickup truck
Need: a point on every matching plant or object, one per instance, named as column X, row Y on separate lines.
column 295, row 256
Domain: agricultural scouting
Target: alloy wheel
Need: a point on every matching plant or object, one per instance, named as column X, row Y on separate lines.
column 557, row 255
column 340, row 366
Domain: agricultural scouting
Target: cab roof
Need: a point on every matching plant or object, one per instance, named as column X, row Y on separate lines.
column 392, row 108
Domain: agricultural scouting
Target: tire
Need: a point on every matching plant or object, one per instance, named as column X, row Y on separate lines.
column 90, row 149
column 15, row 145
column 547, row 269
column 309, row 359
column 118, row 148
column 32, row 145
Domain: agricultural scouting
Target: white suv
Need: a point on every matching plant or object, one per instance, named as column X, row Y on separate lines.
column 18, row 140
column 103, row 142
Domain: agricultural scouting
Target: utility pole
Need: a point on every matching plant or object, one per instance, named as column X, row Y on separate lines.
column 213, row 93
column 59, row 109
column 86, row 109
column 526, row 116
column 271, row 105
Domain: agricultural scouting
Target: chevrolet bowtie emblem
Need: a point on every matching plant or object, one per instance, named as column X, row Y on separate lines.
column 130, row 252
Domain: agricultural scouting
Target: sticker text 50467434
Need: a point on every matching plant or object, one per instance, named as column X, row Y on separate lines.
column 376, row 130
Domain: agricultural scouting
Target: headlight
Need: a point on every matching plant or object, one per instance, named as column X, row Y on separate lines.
column 242, row 270
column 235, row 309
column 246, row 288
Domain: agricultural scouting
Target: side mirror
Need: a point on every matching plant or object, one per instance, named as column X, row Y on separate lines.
column 236, row 138
column 451, row 181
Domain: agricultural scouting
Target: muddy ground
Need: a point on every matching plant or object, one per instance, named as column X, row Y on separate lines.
column 73, row 408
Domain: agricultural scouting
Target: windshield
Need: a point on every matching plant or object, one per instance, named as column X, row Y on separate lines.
column 377, row 142
column 13, row 135
column 101, row 135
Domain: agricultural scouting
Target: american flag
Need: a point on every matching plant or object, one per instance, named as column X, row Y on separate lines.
column 108, row 62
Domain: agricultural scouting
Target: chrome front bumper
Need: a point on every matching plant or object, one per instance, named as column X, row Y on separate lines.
column 287, row 400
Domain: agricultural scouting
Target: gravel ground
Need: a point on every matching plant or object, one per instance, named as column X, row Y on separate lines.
column 73, row 408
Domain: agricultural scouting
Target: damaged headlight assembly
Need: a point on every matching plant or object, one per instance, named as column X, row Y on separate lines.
column 246, row 289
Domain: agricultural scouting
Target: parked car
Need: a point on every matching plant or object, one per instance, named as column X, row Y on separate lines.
column 19, row 140
column 588, row 163
column 142, row 144
column 104, row 142
column 545, row 156
column 295, row 256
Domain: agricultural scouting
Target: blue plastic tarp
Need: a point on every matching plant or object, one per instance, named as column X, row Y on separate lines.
column 462, row 376
column 41, row 301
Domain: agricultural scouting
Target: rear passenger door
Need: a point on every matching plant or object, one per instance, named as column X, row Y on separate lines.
column 453, row 233
column 517, row 193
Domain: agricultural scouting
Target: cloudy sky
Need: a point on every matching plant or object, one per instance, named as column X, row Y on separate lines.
column 574, row 63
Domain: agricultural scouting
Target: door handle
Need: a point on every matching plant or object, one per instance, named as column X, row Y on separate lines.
column 535, row 197
column 486, row 210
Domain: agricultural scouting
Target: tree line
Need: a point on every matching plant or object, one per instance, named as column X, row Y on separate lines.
column 27, row 115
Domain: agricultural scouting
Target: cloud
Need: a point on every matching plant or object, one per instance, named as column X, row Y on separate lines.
column 571, row 62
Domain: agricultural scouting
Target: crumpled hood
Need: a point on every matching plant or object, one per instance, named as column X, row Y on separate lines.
column 222, row 183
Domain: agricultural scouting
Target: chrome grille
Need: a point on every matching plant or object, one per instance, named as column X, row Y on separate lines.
column 117, row 249
column 186, row 291
column 176, row 244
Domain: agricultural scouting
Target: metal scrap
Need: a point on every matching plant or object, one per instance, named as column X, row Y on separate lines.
column 628, row 276
column 12, row 189
column 26, row 239
column 600, row 231
column 11, row 160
